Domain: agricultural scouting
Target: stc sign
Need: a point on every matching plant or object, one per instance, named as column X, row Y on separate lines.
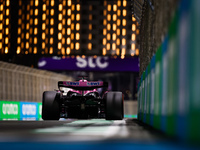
column 99, row 63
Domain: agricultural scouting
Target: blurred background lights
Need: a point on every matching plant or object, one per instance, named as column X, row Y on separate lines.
column 62, row 28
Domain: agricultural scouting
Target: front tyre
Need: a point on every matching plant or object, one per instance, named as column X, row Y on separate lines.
column 50, row 106
column 114, row 106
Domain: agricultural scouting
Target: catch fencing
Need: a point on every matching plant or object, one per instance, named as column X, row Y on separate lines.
column 20, row 83
column 154, row 22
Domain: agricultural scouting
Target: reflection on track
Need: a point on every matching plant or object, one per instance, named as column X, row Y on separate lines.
column 96, row 127
column 83, row 134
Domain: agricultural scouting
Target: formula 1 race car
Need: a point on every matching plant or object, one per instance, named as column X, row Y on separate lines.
column 82, row 101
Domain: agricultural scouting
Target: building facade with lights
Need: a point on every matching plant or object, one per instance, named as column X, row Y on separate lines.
column 34, row 28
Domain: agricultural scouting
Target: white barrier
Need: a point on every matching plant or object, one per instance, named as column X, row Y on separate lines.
column 130, row 107
column 20, row 83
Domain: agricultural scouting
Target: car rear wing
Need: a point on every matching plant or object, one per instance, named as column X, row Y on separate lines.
column 77, row 85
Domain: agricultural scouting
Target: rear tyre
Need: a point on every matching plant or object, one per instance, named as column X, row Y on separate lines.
column 114, row 106
column 50, row 106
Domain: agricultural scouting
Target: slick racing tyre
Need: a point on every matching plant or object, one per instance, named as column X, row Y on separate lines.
column 50, row 106
column 114, row 106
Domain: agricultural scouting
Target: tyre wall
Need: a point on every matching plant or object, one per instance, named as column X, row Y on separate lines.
column 168, row 91
column 20, row 83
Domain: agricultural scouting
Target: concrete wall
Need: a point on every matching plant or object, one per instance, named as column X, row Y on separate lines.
column 20, row 83
column 130, row 107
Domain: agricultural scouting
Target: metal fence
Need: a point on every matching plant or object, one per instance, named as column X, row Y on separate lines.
column 154, row 19
column 20, row 83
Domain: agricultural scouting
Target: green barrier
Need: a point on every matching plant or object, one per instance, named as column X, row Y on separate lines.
column 9, row 110
column 143, row 95
column 138, row 99
column 172, row 77
column 184, row 48
column 164, row 96
column 148, row 94
column 158, row 90
column 130, row 116
column 152, row 84
column 172, row 93
column 39, row 111
column 194, row 109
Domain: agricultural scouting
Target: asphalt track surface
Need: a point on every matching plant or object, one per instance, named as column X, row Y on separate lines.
column 97, row 134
